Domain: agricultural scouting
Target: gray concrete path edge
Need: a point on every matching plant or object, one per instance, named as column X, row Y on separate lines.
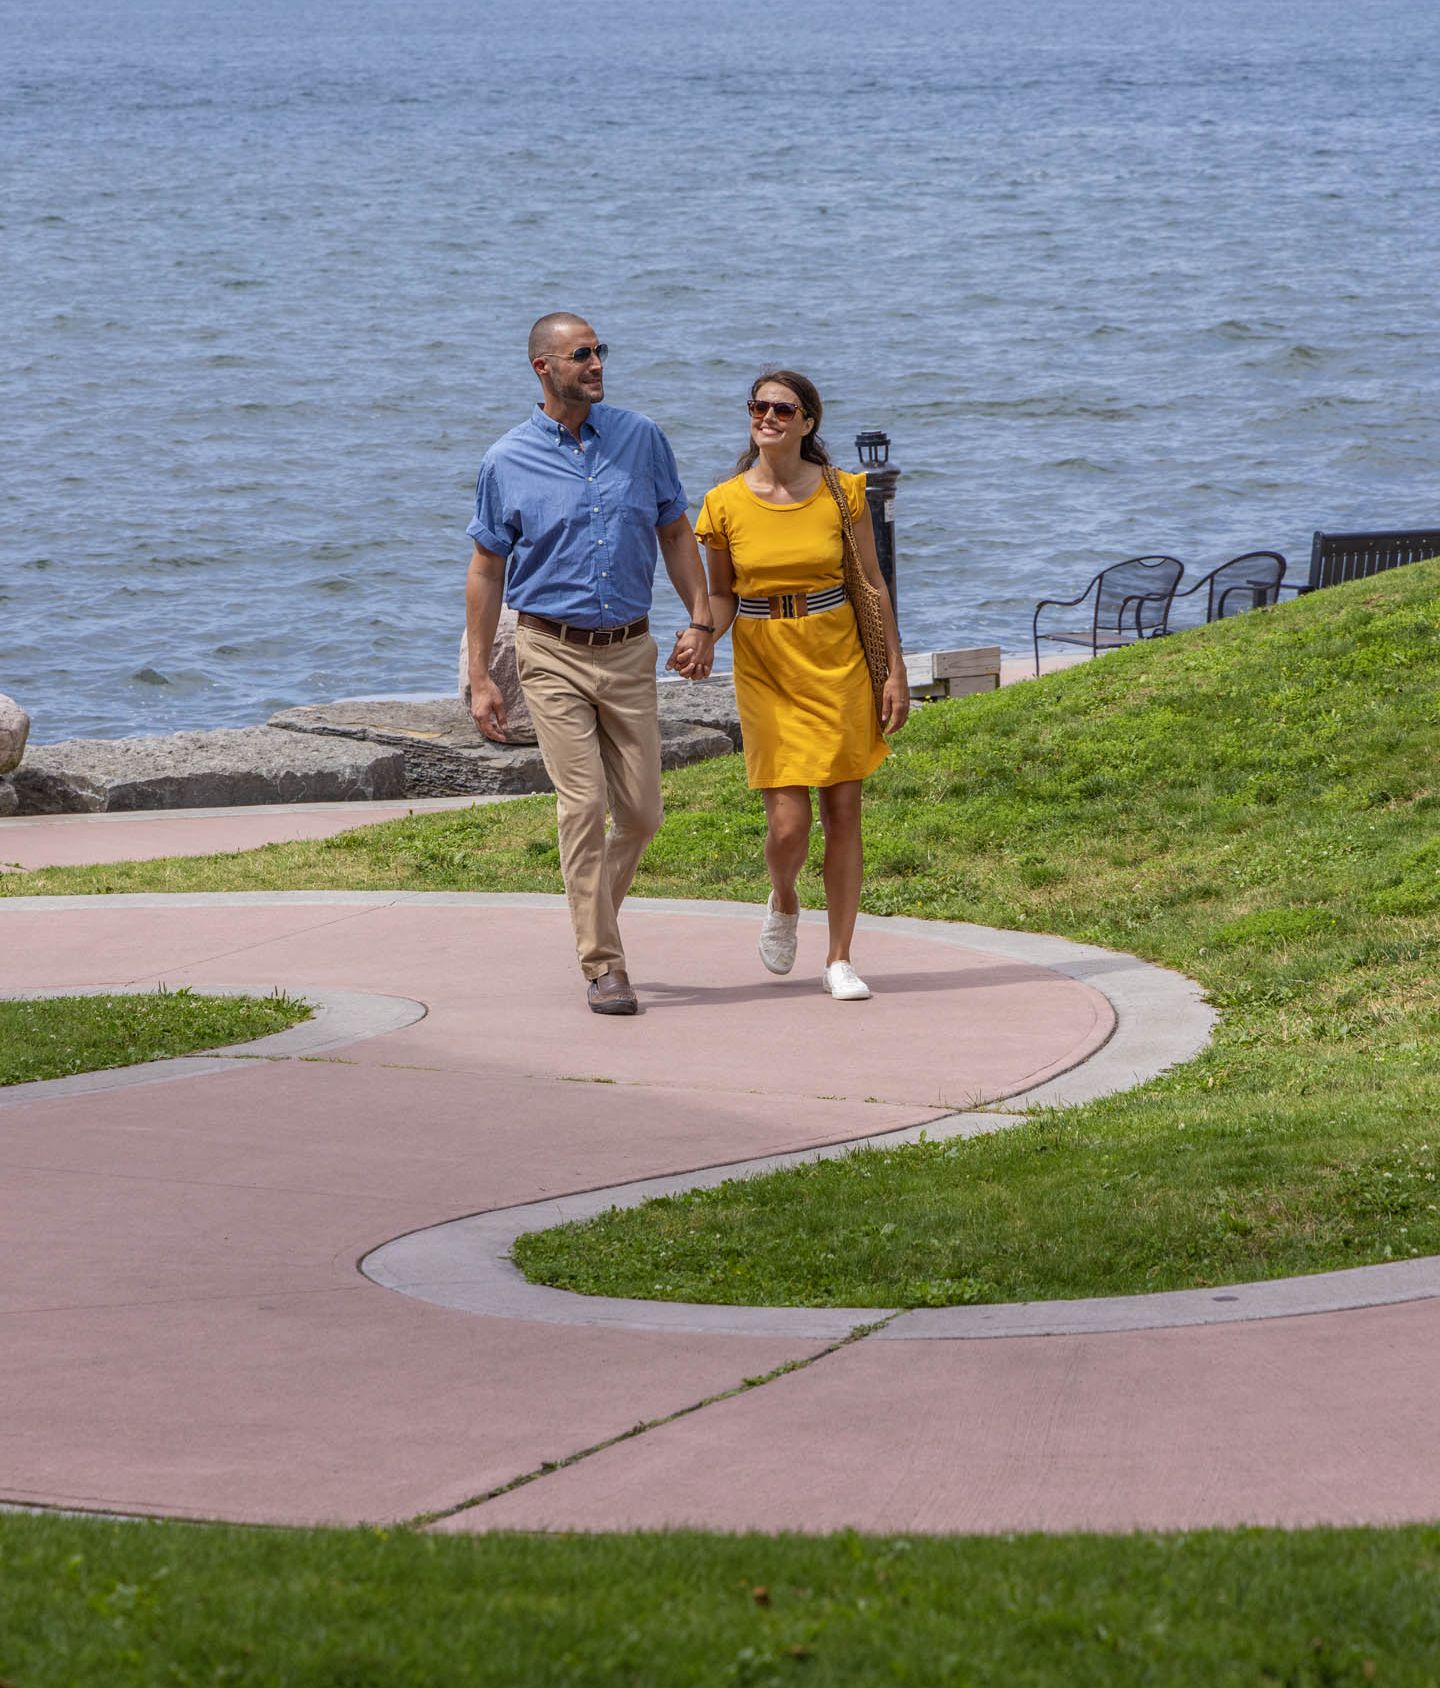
column 340, row 1018
column 465, row 1265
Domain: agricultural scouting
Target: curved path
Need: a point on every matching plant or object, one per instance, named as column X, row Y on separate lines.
column 187, row 1332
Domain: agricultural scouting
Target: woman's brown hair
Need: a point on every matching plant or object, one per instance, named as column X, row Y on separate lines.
column 812, row 447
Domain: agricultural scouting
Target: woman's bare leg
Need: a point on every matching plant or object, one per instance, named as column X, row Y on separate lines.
column 787, row 841
column 840, row 817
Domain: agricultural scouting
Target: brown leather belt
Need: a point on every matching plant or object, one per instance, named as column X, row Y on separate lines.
column 583, row 635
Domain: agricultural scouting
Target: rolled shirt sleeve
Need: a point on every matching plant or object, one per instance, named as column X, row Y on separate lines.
column 490, row 529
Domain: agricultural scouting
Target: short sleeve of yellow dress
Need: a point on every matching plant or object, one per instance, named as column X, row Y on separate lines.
column 801, row 685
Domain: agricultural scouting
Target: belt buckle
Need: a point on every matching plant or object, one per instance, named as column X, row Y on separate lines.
column 787, row 606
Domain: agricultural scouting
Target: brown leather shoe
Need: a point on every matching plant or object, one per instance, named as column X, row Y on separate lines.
column 611, row 993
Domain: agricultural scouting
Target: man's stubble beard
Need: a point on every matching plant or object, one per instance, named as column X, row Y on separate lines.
column 574, row 391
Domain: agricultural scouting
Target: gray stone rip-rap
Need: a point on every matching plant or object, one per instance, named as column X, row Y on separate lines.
column 704, row 703
column 9, row 798
column 447, row 755
column 229, row 766
column 14, row 730
column 699, row 703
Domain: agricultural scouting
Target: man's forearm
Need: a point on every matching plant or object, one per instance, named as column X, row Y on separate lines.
column 682, row 564
column 484, row 594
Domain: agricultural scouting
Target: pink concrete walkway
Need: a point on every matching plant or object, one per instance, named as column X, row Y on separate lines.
column 186, row 1331
column 31, row 841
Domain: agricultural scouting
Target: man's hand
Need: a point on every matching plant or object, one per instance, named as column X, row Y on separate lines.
column 694, row 651
column 694, row 654
column 487, row 708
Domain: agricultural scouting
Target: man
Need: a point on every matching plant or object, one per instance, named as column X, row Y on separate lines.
column 568, row 507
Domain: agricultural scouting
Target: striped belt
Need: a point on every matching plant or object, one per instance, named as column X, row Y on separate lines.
column 785, row 606
column 583, row 635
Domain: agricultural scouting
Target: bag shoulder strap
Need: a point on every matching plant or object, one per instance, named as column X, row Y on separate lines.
column 831, row 476
column 855, row 579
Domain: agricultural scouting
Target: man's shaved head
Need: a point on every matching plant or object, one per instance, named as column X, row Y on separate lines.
column 545, row 330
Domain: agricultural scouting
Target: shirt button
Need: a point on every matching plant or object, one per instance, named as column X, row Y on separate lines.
column 599, row 541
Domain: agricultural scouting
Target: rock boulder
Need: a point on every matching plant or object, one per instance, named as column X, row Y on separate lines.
column 14, row 730
column 703, row 703
column 684, row 742
column 446, row 754
column 519, row 728
column 9, row 797
column 204, row 770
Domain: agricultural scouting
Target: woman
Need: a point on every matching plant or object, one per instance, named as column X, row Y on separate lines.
column 773, row 542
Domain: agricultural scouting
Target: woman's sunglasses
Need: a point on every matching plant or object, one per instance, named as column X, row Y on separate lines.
column 582, row 354
column 782, row 408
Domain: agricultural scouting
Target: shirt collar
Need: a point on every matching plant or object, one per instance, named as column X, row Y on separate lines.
column 589, row 428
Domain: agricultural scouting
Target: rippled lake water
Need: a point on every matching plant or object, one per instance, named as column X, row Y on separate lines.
column 1116, row 278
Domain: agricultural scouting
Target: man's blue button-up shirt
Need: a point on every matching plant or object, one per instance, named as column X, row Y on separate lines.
column 576, row 519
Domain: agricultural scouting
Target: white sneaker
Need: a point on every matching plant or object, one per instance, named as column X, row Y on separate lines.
column 777, row 938
column 844, row 983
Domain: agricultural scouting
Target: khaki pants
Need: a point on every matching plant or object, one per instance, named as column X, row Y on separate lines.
column 594, row 708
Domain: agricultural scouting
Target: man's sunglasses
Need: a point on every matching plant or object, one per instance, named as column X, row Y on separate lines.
column 782, row 408
column 582, row 354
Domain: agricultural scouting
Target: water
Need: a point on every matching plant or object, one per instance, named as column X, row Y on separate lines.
column 1116, row 278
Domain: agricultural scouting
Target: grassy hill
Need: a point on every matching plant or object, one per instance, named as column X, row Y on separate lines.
column 1254, row 803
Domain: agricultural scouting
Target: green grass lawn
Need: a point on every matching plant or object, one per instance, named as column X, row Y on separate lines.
column 1254, row 803
column 51, row 1036
column 140, row 1604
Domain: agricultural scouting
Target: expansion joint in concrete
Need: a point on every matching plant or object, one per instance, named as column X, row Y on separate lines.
column 546, row 1468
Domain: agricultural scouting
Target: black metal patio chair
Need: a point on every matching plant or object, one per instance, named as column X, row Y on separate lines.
column 1131, row 601
column 1244, row 583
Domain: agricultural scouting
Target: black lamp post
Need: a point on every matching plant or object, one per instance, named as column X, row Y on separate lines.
column 881, row 476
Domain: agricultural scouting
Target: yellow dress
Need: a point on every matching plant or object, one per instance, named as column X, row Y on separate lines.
column 801, row 684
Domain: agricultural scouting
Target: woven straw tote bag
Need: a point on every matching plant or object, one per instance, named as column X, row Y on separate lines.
column 865, row 598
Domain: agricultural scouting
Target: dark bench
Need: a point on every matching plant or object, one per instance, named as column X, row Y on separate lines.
column 1338, row 557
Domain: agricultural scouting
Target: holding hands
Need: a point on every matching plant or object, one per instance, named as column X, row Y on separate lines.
column 694, row 653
